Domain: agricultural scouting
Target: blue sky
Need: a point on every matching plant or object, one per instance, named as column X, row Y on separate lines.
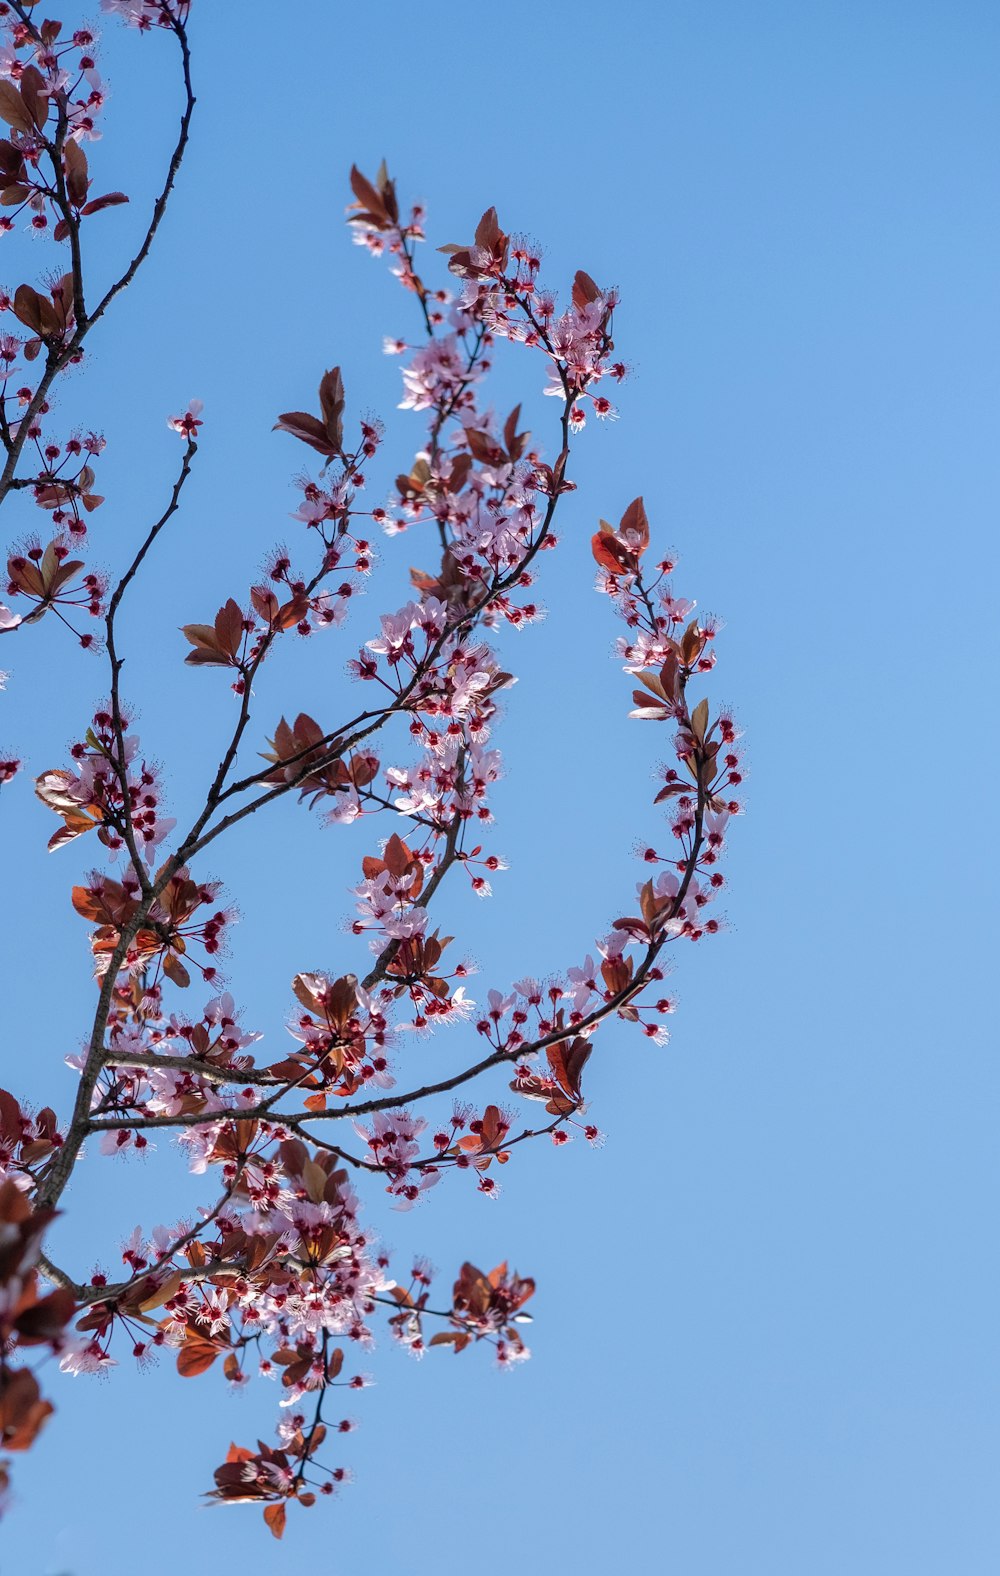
column 765, row 1336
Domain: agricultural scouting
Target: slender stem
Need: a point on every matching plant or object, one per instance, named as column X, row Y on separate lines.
column 60, row 357
column 117, row 662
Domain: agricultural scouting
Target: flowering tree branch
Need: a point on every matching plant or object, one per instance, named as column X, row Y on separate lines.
column 280, row 1275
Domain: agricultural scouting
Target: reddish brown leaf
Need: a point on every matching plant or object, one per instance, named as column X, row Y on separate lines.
column 397, row 857
column 229, row 628
column 584, row 290
column 174, row 969
column 331, row 401
column 195, row 1356
column 611, row 553
column 635, row 520
column 309, row 430
column 35, row 98
column 108, row 200
column 75, row 168
column 13, row 108
column 274, row 1515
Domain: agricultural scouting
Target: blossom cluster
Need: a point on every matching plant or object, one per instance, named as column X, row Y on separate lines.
column 146, row 14
column 110, row 787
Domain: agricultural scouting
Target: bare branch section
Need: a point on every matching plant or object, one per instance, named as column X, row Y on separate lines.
column 279, row 1275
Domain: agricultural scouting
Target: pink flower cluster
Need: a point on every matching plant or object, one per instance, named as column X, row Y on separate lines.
column 110, row 787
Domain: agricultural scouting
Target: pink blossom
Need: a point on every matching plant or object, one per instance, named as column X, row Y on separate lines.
column 188, row 424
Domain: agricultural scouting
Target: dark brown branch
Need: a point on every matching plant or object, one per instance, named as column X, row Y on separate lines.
column 58, row 358
column 160, row 205
column 116, row 662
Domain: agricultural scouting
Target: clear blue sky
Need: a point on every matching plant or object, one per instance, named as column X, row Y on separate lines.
column 766, row 1330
